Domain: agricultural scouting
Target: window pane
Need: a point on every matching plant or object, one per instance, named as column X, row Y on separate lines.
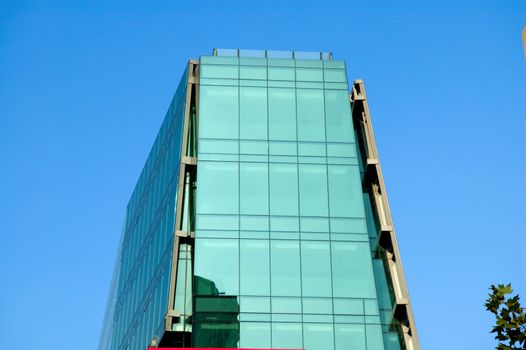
column 282, row 114
column 285, row 268
column 317, row 305
column 283, row 189
column 218, row 112
column 255, row 267
column 338, row 113
column 374, row 337
column 254, row 188
column 218, row 146
column 286, row 305
column 255, row 335
column 218, row 188
column 352, row 272
column 253, row 72
column 311, row 119
column 280, row 73
column 346, row 199
column 350, row 336
column 309, row 74
column 218, row 71
column 286, row 335
column 253, row 113
column 216, row 266
column 319, row 336
column 313, row 190
column 316, row 269
column 335, row 75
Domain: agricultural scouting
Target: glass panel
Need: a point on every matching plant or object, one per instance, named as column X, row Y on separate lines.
column 341, row 150
column 315, row 224
column 352, row 270
column 217, row 269
column 348, row 306
column 338, row 86
column 254, row 83
column 219, row 60
column 218, row 112
column 342, row 225
column 218, row 146
column 252, row 72
column 218, row 188
column 217, row 222
column 255, row 304
column 255, row 335
column 374, row 337
column 280, row 73
column 253, row 113
column 281, row 61
column 311, row 149
column 317, row 305
column 311, row 119
column 334, row 64
column 285, row 268
column 282, row 84
column 283, row 148
column 286, row 305
column 371, row 307
column 335, row 75
column 307, row 59
column 255, row 267
column 309, row 74
column 253, row 147
column 385, row 292
column 280, row 223
column 313, row 190
column 319, row 336
column 350, row 336
column 218, row 71
column 316, row 269
column 222, row 82
column 286, row 336
column 282, row 114
column 252, row 59
column 338, row 114
column 285, row 318
column 283, row 189
column 254, row 188
column 254, row 223
column 309, row 85
column 345, row 191
column 254, row 317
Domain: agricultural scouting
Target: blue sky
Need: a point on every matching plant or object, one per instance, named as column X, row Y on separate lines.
column 84, row 86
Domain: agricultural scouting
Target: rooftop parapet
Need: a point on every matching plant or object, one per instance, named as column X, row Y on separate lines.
column 300, row 55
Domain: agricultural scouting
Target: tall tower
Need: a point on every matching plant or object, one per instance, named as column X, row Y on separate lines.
column 261, row 219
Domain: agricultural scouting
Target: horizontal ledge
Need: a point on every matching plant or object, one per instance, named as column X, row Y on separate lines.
column 189, row 160
column 181, row 233
column 173, row 313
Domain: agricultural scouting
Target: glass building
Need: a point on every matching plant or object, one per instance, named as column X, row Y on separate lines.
column 260, row 219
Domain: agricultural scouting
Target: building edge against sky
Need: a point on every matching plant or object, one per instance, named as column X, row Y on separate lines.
column 217, row 250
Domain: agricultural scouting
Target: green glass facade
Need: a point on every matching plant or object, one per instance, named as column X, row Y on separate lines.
column 281, row 224
column 275, row 242
column 139, row 296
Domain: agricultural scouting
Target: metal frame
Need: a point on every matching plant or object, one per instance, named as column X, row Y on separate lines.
column 373, row 183
column 187, row 165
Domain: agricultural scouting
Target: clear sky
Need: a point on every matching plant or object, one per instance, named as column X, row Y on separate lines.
column 84, row 86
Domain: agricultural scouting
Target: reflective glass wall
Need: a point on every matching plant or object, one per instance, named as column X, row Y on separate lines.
column 282, row 253
column 144, row 261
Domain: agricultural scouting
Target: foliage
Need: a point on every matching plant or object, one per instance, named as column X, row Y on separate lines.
column 510, row 324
